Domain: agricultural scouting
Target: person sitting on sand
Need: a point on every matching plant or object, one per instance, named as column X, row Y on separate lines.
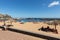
column 47, row 29
column 40, row 28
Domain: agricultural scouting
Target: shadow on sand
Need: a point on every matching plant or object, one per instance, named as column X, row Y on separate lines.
column 32, row 34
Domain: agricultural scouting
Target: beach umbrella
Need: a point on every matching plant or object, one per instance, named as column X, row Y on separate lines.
column 4, row 19
column 55, row 23
column 11, row 20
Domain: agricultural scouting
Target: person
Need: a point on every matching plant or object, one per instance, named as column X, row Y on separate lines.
column 5, row 27
column 40, row 28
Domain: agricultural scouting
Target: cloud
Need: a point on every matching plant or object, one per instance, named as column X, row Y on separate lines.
column 54, row 3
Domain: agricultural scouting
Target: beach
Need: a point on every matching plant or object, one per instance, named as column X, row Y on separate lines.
column 9, row 35
column 33, row 27
column 29, row 20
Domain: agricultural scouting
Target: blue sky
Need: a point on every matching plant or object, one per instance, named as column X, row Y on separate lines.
column 31, row 8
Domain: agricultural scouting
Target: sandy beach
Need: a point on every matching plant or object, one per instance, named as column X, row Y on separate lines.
column 29, row 26
column 9, row 35
column 34, row 26
column 29, row 19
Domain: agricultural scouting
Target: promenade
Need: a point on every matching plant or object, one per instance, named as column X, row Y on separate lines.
column 9, row 35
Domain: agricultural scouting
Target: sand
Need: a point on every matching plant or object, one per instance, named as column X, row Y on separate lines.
column 9, row 35
column 33, row 27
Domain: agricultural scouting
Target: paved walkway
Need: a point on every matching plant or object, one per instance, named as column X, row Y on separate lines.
column 9, row 35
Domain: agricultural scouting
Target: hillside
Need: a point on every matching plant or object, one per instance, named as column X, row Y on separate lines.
column 5, row 17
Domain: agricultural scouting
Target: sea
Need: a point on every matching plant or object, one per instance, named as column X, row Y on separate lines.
column 33, row 20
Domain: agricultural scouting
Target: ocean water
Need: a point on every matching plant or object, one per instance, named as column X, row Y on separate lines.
column 31, row 20
column 37, row 19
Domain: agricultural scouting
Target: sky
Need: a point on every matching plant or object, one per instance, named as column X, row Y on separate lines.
column 31, row 8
